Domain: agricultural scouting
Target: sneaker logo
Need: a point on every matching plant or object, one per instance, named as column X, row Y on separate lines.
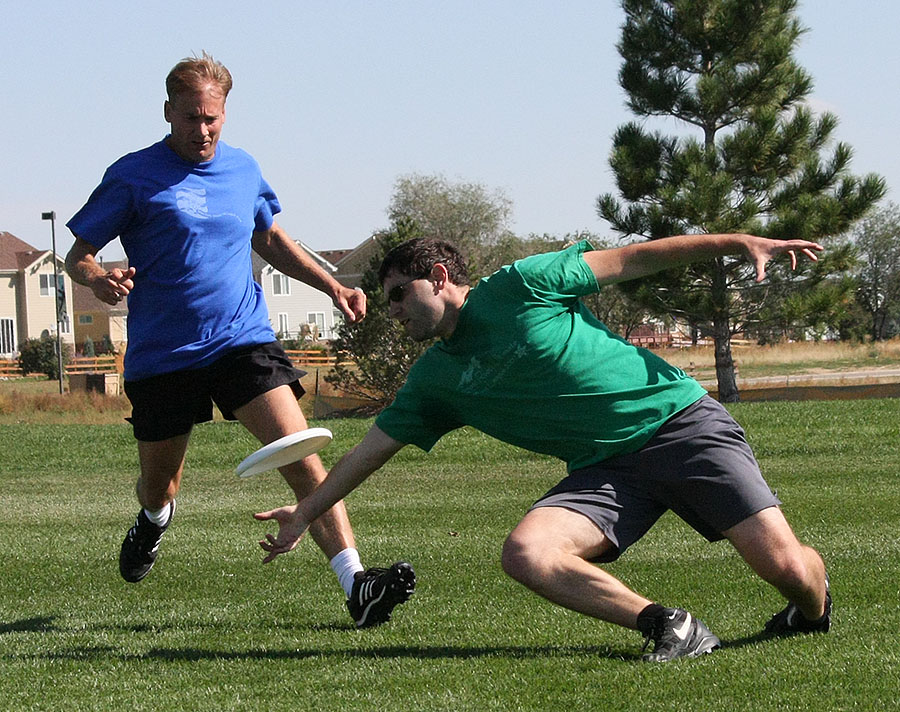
column 791, row 615
column 685, row 628
column 367, row 607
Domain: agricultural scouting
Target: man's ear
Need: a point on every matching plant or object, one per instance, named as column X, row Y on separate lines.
column 439, row 275
column 166, row 111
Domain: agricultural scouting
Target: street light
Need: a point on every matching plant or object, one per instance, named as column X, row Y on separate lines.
column 51, row 216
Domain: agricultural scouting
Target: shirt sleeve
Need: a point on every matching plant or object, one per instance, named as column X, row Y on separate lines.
column 107, row 213
column 559, row 276
column 417, row 416
column 267, row 206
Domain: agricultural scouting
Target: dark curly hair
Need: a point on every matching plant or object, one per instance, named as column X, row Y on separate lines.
column 416, row 257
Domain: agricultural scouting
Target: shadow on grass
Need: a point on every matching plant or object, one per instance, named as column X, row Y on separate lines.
column 452, row 652
column 382, row 653
column 46, row 625
column 39, row 624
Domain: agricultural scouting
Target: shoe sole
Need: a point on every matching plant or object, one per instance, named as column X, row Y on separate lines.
column 708, row 643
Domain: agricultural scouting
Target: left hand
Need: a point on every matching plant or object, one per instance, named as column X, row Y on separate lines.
column 352, row 302
column 760, row 250
column 291, row 528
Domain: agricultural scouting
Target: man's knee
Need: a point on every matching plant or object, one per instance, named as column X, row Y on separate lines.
column 522, row 558
column 769, row 546
column 786, row 569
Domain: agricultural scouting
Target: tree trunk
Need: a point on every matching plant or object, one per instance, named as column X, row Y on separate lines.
column 728, row 390
column 727, row 382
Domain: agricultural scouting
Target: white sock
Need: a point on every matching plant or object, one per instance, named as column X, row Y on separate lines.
column 346, row 564
column 161, row 516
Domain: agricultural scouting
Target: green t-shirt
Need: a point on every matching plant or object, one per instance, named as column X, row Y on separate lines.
column 529, row 365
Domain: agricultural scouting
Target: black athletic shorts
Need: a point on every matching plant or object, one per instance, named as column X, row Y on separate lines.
column 168, row 405
column 698, row 464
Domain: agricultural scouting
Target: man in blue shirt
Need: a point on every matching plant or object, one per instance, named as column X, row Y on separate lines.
column 188, row 211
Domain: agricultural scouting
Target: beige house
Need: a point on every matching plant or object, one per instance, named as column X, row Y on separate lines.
column 28, row 295
column 96, row 320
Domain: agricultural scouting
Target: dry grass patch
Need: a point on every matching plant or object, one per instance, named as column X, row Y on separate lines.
column 39, row 406
column 810, row 357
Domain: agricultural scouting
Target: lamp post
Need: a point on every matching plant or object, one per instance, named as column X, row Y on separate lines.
column 51, row 216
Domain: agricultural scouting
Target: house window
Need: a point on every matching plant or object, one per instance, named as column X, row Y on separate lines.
column 7, row 336
column 65, row 324
column 281, row 285
column 85, row 319
column 315, row 325
column 337, row 319
column 284, row 326
column 317, row 318
column 46, row 282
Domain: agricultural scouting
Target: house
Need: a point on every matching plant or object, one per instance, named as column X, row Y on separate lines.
column 296, row 310
column 352, row 264
column 28, row 295
column 96, row 320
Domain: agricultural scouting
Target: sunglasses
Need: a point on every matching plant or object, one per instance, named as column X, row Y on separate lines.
column 398, row 291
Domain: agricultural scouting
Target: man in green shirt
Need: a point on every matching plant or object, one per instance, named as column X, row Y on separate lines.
column 520, row 358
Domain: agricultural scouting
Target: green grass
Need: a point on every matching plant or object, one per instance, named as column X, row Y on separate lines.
column 212, row 629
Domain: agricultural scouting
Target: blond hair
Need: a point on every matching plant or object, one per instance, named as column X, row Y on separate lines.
column 193, row 73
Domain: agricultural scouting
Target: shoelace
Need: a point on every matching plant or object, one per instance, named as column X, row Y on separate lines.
column 656, row 633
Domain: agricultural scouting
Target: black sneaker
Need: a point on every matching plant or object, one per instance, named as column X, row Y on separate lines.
column 376, row 592
column 677, row 634
column 141, row 546
column 791, row 620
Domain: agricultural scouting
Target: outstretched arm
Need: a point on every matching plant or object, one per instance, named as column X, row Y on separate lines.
column 279, row 250
column 643, row 258
column 375, row 449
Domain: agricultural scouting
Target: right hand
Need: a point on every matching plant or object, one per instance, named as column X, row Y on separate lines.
column 113, row 286
column 291, row 528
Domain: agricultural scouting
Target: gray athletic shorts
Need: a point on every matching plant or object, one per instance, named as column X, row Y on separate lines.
column 698, row 464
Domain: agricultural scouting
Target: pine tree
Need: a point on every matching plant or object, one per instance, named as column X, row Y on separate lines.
column 751, row 159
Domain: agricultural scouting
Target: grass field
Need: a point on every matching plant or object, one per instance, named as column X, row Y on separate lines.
column 212, row 629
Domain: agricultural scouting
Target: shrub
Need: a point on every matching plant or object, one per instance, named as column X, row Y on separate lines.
column 39, row 356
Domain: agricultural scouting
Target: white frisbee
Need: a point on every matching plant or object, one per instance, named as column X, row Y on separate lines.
column 284, row 451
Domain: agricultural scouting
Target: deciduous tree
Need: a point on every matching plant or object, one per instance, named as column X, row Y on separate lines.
column 877, row 240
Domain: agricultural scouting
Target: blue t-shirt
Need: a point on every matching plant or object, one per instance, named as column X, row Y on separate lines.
column 530, row 365
column 186, row 228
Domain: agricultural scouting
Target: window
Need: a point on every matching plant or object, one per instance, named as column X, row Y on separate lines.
column 281, row 285
column 7, row 336
column 315, row 325
column 85, row 319
column 284, row 326
column 317, row 318
column 46, row 281
column 337, row 318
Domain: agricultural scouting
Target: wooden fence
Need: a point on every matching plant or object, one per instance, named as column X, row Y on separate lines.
column 313, row 357
column 92, row 364
column 9, row 368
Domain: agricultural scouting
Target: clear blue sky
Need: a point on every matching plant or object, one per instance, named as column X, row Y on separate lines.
column 336, row 99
